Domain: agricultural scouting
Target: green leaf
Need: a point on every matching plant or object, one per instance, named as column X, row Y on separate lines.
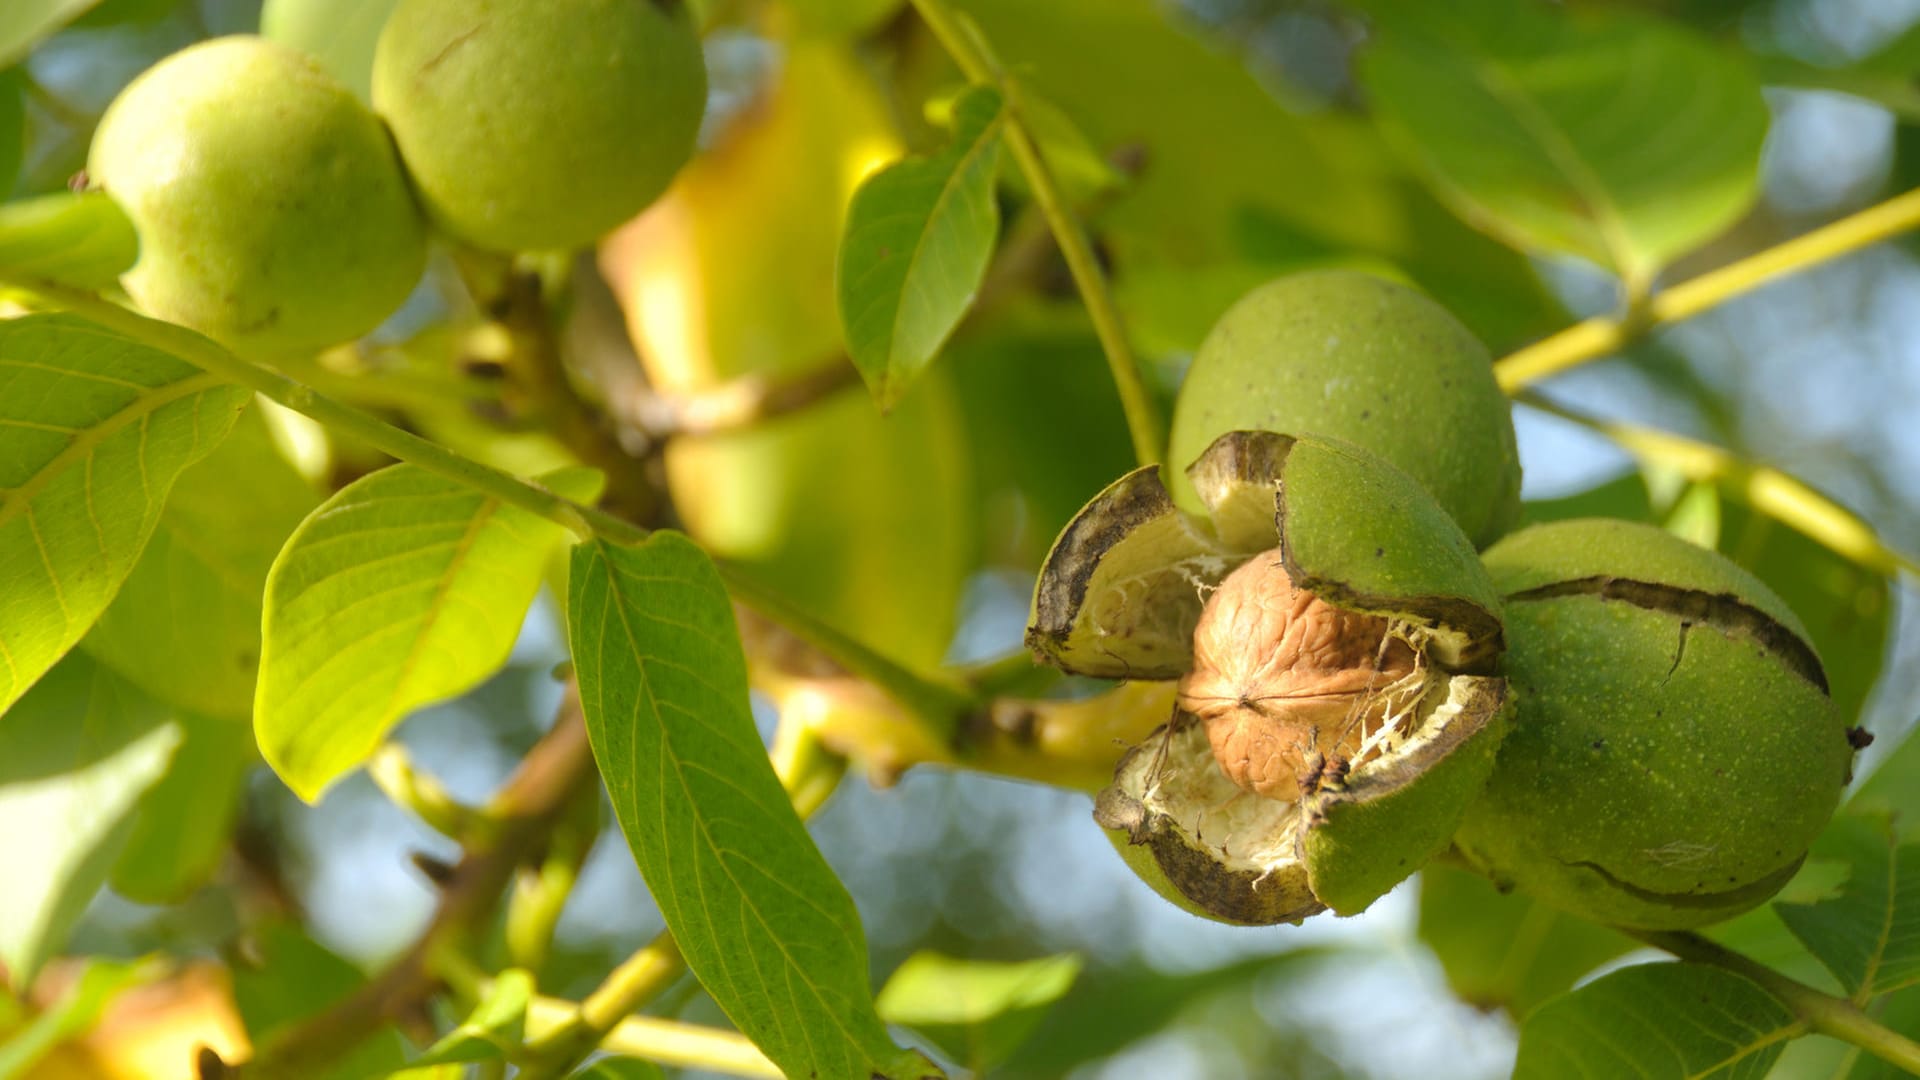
column 1618, row 138
column 839, row 18
column 74, row 1012
column 76, row 754
column 1656, row 1021
column 764, row 923
column 404, row 589
column 340, row 34
column 494, row 1032
column 181, row 827
column 1224, row 152
column 1868, row 935
column 83, row 240
column 978, row 1011
column 23, row 23
column 13, row 128
column 619, row 1068
column 918, row 238
column 206, row 568
column 93, row 430
column 1506, row 950
column 296, row 977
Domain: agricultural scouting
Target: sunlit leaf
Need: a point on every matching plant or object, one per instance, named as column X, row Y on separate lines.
column 1658, row 1022
column 919, row 235
column 1869, row 935
column 764, row 923
column 73, row 1012
column 340, row 34
column 496, row 1028
column 23, row 23
column 206, row 568
column 182, row 825
column 93, row 430
column 75, row 756
column 1507, row 950
column 403, row 589
column 978, row 1011
column 84, row 240
column 1616, row 137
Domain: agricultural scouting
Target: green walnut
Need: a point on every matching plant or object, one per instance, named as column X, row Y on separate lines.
column 539, row 124
column 1673, row 749
column 272, row 211
column 1360, row 358
column 1334, row 638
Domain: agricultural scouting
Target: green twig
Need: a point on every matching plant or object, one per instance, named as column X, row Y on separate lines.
column 1143, row 415
column 934, row 702
column 1766, row 489
column 205, row 354
column 1829, row 1015
column 391, row 769
column 1596, row 338
column 810, row 774
column 668, row 1042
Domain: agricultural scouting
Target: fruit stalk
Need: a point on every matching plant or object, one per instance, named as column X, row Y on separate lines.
column 1820, row 1012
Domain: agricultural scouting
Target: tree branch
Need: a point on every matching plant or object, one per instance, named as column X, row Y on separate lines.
column 518, row 819
column 1597, row 338
column 1769, row 490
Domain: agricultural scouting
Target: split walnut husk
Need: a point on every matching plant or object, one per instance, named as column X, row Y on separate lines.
column 1335, row 639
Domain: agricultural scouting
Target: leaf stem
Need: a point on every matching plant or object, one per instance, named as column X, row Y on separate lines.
column 961, row 41
column 1600, row 337
column 1824, row 1013
column 1766, row 489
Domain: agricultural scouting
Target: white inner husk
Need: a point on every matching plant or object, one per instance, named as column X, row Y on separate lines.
column 1175, row 773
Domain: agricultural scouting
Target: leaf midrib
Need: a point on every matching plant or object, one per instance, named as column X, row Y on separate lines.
column 669, row 758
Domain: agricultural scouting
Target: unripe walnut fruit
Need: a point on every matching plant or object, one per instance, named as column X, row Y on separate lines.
column 1673, row 749
column 1369, row 361
column 272, row 211
column 1334, row 636
column 537, row 124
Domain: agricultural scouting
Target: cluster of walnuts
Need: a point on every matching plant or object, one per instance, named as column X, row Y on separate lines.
column 279, row 214
column 1374, row 669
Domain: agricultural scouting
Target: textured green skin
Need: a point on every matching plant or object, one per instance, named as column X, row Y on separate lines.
column 537, row 124
column 1360, row 358
column 1356, row 527
column 272, row 211
column 1366, row 847
column 1702, row 783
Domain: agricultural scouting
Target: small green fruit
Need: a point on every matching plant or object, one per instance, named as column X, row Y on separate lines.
column 535, row 124
column 1333, row 634
column 1673, row 749
column 1360, row 358
column 272, row 211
